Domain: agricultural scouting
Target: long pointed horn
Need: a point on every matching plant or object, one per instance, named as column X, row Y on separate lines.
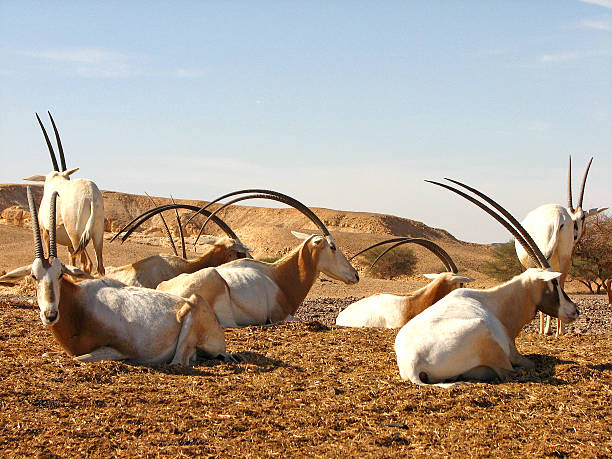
column 49, row 146
column 290, row 201
column 165, row 226
column 180, row 227
column 59, row 143
column 531, row 248
column 274, row 197
column 586, row 172
column 570, row 204
column 38, row 249
column 446, row 259
column 140, row 219
column 52, row 227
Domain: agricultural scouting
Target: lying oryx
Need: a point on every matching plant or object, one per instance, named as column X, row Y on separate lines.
column 469, row 334
column 393, row 311
column 557, row 230
column 248, row 292
column 104, row 320
column 152, row 270
column 81, row 208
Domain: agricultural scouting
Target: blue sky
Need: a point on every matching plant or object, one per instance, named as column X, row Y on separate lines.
column 346, row 105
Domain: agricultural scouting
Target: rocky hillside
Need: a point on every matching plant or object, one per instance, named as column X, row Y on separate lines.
column 265, row 230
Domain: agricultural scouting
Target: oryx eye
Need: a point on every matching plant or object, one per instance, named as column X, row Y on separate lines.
column 333, row 247
column 33, row 276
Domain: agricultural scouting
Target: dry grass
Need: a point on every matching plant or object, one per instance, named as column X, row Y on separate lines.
column 306, row 390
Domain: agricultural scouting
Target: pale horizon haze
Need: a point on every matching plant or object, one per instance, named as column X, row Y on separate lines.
column 348, row 105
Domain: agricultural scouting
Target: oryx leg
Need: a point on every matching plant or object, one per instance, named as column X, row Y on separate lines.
column 492, row 356
column 200, row 331
column 102, row 353
column 518, row 359
column 98, row 242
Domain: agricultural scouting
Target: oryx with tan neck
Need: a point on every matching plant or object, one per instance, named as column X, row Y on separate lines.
column 104, row 320
column 81, row 208
column 557, row 230
column 470, row 334
column 394, row 311
column 248, row 292
column 152, row 270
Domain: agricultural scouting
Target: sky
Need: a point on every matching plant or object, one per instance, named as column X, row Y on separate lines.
column 344, row 105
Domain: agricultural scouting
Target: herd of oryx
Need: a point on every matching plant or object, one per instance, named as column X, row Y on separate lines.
column 168, row 308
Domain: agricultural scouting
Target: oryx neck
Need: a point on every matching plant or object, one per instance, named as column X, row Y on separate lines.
column 295, row 274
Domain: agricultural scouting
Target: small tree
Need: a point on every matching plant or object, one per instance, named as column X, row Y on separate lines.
column 505, row 265
column 399, row 261
column 592, row 261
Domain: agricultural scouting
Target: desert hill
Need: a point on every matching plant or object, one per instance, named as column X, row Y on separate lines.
column 265, row 230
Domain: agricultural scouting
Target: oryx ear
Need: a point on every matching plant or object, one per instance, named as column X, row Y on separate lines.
column 36, row 178
column 16, row 275
column 301, row 236
column 546, row 275
column 595, row 211
column 462, row 279
column 432, row 276
column 69, row 172
column 75, row 272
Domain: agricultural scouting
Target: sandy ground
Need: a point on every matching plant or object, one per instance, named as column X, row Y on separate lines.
column 305, row 389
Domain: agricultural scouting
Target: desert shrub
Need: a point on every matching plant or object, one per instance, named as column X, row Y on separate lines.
column 270, row 259
column 505, row 264
column 399, row 261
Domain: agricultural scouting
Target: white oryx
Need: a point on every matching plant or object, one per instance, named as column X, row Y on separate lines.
column 393, row 311
column 470, row 334
column 81, row 208
column 152, row 270
column 557, row 230
column 104, row 320
column 249, row 292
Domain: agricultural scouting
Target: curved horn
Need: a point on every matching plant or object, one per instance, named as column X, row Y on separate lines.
column 570, row 204
column 59, row 143
column 49, row 146
column 531, row 248
column 524, row 233
column 52, row 228
column 273, row 196
column 446, row 259
column 38, row 249
column 165, row 226
column 291, row 201
column 180, row 227
column 140, row 219
column 586, row 172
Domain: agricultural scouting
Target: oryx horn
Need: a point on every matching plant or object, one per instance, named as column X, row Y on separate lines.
column 521, row 235
column 38, row 249
column 52, row 228
column 584, row 178
column 49, row 146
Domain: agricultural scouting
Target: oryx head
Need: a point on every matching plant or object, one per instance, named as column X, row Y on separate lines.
column 331, row 261
column 46, row 272
column 578, row 215
column 64, row 173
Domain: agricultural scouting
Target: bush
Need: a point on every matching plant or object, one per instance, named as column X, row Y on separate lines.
column 399, row 261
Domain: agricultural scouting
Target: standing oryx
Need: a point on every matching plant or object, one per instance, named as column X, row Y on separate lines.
column 249, row 292
column 557, row 230
column 81, row 208
column 393, row 311
column 470, row 334
column 103, row 319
